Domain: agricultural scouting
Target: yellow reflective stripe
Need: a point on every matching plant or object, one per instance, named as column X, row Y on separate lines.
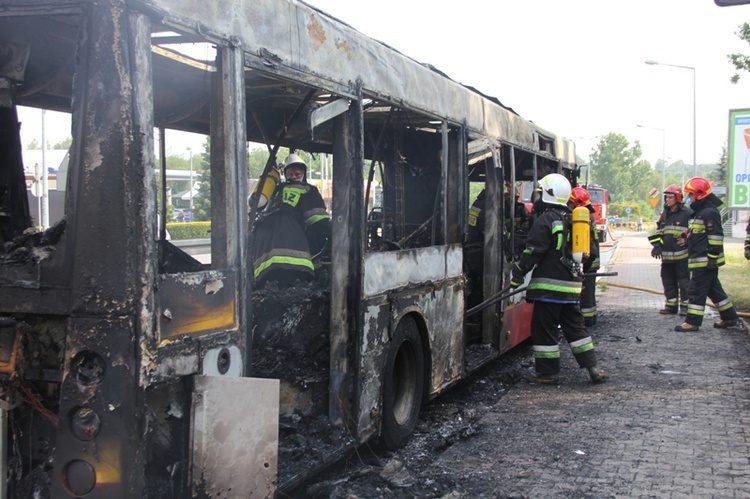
column 287, row 260
column 582, row 345
column 674, row 230
column 316, row 218
column 589, row 312
column 724, row 305
column 558, row 288
column 474, row 216
column 546, row 351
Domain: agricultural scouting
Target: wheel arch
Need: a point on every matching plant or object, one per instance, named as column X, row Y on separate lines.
column 415, row 313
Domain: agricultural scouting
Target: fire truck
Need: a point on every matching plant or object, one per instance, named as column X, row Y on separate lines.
column 600, row 200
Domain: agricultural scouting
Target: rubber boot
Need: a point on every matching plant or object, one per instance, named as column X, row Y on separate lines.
column 596, row 375
column 543, row 379
column 723, row 324
column 686, row 327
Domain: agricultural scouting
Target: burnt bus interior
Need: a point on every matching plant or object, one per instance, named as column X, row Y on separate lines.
column 423, row 204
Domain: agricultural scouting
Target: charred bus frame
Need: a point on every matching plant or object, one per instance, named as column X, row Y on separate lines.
column 130, row 369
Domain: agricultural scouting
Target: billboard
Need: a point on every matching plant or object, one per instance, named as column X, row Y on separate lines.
column 738, row 170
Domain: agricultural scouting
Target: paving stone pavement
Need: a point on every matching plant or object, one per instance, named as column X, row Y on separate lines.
column 673, row 420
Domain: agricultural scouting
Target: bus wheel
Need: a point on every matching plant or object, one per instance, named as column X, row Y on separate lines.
column 403, row 385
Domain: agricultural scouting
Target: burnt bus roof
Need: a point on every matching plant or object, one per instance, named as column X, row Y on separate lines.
column 299, row 42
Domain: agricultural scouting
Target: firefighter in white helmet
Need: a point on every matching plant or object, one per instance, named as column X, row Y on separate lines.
column 555, row 289
column 291, row 235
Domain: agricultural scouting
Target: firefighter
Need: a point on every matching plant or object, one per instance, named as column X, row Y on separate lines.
column 521, row 219
column 476, row 220
column 475, row 251
column 520, row 223
column 705, row 242
column 555, row 288
column 747, row 240
column 293, row 231
column 668, row 245
column 580, row 197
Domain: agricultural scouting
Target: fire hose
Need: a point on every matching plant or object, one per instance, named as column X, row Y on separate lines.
column 506, row 293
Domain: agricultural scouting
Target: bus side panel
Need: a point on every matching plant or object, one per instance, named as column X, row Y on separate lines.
column 234, row 436
column 424, row 281
column 516, row 325
column 371, row 360
column 443, row 314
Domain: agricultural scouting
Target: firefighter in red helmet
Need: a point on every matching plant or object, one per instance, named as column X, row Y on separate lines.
column 580, row 197
column 705, row 242
column 669, row 246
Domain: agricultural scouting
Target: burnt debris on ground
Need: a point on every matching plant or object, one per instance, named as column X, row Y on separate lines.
column 448, row 419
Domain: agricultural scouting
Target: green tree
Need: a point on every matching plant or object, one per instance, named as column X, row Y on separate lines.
column 64, row 144
column 617, row 166
column 257, row 158
column 741, row 62
column 719, row 175
column 202, row 202
column 34, row 145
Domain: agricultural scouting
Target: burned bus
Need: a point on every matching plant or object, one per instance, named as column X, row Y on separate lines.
column 130, row 369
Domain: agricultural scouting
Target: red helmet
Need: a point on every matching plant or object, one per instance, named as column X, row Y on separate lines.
column 698, row 186
column 580, row 197
column 675, row 190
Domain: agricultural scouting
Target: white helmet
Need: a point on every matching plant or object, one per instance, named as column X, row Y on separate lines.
column 295, row 160
column 555, row 189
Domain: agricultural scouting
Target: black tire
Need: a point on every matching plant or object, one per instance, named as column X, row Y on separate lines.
column 403, row 385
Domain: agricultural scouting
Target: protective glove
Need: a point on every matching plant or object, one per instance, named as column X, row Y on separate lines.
column 656, row 252
column 683, row 239
column 516, row 276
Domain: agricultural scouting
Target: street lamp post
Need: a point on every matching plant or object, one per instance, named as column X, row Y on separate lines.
column 663, row 159
column 190, row 150
column 656, row 63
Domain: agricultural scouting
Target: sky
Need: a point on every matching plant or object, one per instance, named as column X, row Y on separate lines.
column 576, row 68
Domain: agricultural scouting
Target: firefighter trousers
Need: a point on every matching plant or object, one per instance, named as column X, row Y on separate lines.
column 545, row 320
column 675, row 278
column 588, row 299
column 705, row 283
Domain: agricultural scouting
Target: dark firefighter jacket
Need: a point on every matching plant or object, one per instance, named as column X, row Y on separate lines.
column 747, row 240
column 521, row 219
column 295, row 226
column 594, row 262
column 705, row 238
column 476, row 219
column 546, row 247
column 669, row 228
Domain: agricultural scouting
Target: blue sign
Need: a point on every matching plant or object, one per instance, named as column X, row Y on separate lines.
column 628, row 210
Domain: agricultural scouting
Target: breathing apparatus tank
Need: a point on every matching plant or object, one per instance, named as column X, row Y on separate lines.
column 581, row 234
column 269, row 186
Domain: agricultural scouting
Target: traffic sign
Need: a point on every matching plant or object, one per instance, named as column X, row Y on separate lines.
column 654, row 202
column 628, row 210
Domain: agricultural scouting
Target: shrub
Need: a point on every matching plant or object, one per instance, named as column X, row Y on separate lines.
column 189, row 230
